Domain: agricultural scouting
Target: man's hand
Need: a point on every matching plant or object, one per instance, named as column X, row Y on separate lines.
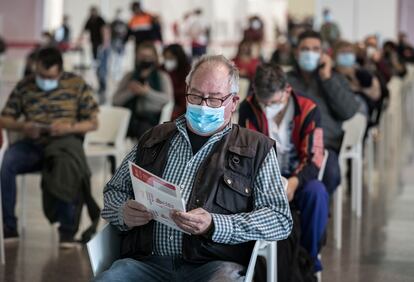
column 326, row 70
column 60, row 128
column 31, row 130
column 135, row 214
column 292, row 186
column 197, row 221
column 138, row 88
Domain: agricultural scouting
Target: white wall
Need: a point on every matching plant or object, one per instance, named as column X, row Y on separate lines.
column 358, row 18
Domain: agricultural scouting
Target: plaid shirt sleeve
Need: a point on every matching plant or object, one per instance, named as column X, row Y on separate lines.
column 117, row 192
column 270, row 220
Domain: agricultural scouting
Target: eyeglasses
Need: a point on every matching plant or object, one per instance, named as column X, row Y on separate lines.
column 211, row 102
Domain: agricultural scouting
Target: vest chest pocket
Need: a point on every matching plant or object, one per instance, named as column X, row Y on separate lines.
column 149, row 154
column 240, row 160
column 234, row 194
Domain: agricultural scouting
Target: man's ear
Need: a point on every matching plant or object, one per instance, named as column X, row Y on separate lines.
column 236, row 100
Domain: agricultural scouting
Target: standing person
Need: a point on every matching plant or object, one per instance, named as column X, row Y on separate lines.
column 314, row 78
column 119, row 31
column 63, row 34
column 330, row 31
column 145, row 91
column 54, row 110
column 198, row 32
column 142, row 26
column 229, row 180
column 99, row 37
column 177, row 65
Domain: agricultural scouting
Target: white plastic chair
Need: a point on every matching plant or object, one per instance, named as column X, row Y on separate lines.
column 166, row 112
column 267, row 249
column 351, row 148
column 103, row 249
column 2, row 150
column 244, row 84
column 109, row 139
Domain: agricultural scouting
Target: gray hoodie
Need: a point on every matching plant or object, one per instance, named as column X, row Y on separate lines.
column 335, row 100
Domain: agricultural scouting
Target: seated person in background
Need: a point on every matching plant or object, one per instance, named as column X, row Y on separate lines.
column 283, row 55
column 313, row 78
column 294, row 123
column 245, row 61
column 393, row 60
column 54, row 110
column 361, row 81
column 229, row 180
column 145, row 91
column 177, row 65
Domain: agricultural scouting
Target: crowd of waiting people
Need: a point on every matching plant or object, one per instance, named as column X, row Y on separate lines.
column 230, row 177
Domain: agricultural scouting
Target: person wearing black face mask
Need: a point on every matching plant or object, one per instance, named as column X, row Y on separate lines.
column 145, row 91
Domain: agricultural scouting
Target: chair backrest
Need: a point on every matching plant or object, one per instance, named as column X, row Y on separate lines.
column 244, row 85
column 354, row 129
column 323, row 165
column 285, row 183
column 104, row 248
column 166, row 112
column 113, row 126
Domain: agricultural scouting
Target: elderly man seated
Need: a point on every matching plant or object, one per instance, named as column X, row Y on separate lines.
column 230, row 182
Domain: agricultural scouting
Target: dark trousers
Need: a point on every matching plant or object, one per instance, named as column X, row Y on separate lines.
column 24, row 157
column 332, row 175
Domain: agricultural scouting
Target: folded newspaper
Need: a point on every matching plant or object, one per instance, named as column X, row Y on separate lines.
column 157, row 195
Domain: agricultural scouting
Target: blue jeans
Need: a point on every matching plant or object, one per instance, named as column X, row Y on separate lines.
column 167, row 268
column 25, row 156
column 102, row 72
column 313, row 202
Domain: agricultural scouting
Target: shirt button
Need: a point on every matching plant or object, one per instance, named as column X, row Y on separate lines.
column 171, row 238
column 229, row 181
column 182, row 186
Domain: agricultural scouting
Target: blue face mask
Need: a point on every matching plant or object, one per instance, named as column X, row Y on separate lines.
column 204, row 120
column 309, row 60
column 345, row 59
column 46, row 84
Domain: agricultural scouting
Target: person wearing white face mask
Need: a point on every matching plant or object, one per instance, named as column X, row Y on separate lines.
column 228, row 176
column 314, row 78
column 294, row 123
column 177, row 65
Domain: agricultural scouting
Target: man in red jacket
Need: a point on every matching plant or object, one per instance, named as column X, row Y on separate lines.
column 293, row 122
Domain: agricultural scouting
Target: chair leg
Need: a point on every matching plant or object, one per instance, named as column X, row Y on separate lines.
column 22, row 197
column 272, row 259
column 2, row 254
column 354, row 185
column 358, row 177
column 338, row 217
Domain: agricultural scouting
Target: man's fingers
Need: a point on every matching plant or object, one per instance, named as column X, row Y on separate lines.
column 190, row 217
column 136, row 206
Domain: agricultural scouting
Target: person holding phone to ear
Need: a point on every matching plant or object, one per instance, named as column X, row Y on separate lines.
column 314, row 78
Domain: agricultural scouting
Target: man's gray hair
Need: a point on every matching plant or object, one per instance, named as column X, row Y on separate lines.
column 217, row 59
